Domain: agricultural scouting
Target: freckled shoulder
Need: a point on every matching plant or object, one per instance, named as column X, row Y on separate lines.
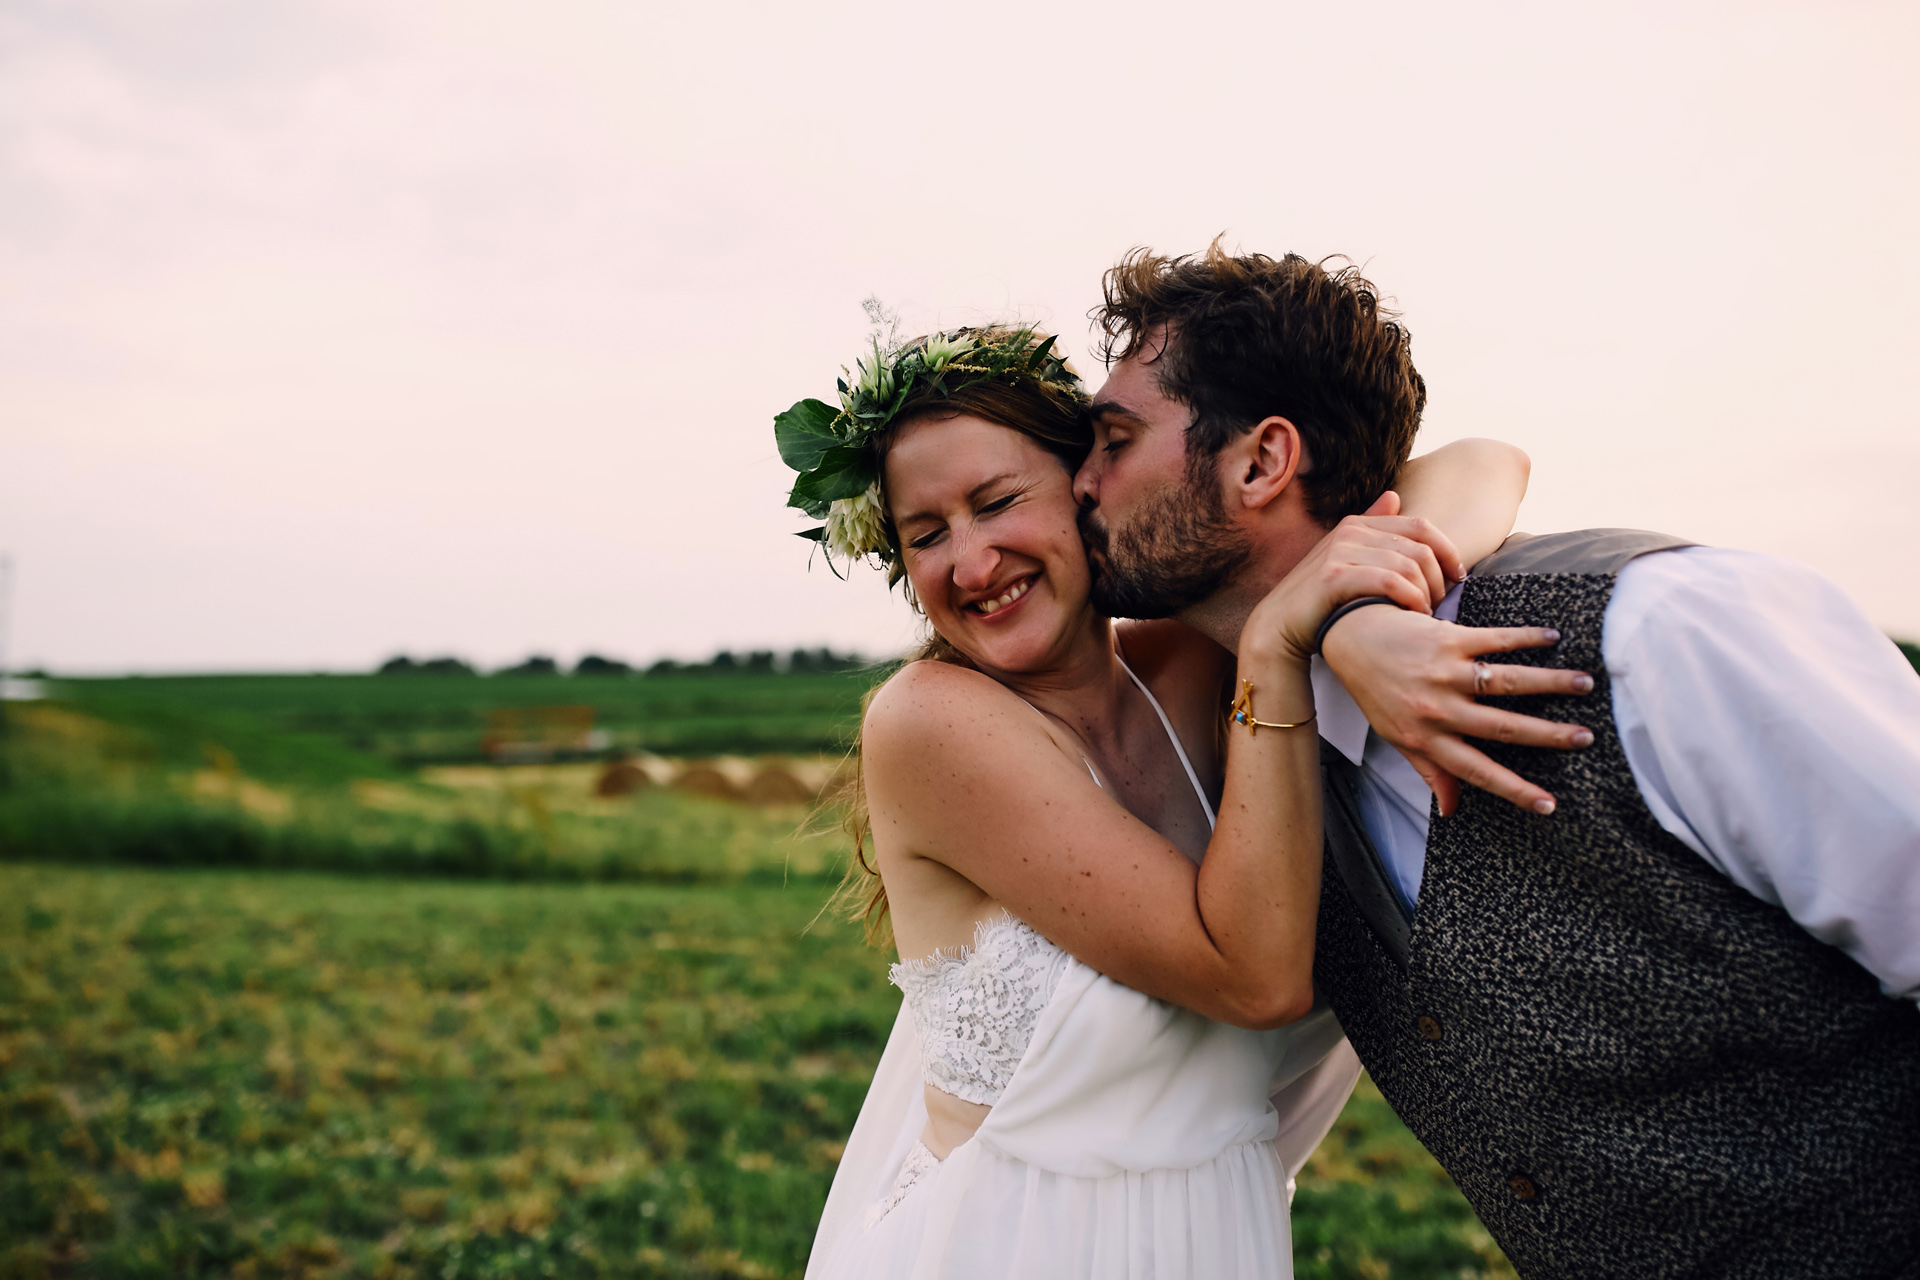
column 936, row 708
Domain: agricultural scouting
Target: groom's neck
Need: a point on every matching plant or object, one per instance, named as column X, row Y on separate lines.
column 1222, row 616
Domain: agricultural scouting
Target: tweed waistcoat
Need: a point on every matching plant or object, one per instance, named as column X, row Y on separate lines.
column 1630, row 1066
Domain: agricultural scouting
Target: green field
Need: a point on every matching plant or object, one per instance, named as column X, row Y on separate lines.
column 535, row 1032
column 192, row 790
column 332, row 726
column 216, row 1072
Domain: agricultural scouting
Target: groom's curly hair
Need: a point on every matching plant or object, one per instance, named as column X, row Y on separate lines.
column 1250, row 337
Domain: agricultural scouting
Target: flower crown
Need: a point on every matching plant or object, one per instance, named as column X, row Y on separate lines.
column 839, row 478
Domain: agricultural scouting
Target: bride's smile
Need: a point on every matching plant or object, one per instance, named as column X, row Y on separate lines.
column 1005, row 599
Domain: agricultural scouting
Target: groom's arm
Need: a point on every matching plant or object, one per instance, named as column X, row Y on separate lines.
column 1774, row 730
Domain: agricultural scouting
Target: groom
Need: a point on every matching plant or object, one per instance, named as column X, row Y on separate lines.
column 1666, row 1029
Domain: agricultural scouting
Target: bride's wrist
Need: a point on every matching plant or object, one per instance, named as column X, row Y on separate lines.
column 1274, row 650
column 1279, row 690
column 1280, row 628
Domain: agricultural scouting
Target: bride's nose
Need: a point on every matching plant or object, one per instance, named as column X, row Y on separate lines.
column 975, row 561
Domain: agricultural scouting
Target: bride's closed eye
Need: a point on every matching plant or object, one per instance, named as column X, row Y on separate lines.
column 991, row 507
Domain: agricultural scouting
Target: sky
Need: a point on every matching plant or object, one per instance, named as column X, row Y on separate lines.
column 333, row 330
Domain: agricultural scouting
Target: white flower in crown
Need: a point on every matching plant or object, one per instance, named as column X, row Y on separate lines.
column 942, row 350
column 876, row 375
column 855, row 527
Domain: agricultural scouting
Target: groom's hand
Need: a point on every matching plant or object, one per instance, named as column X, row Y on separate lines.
column 1414, row 677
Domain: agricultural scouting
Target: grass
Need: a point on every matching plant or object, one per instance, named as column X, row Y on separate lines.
column 216, row 1072
column 1373, row 1204
column 89, row 790
column 208, row 1072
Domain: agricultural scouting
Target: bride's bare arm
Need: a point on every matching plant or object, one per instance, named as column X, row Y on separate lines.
column 1471, row 489
column 960, row 772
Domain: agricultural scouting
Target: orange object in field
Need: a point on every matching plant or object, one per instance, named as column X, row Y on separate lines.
column 518, row 735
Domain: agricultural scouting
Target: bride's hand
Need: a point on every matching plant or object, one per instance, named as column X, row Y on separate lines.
column 1381, row 553
column 1414, row 677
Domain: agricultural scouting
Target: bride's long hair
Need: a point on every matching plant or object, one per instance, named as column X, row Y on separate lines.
column 1055, row 422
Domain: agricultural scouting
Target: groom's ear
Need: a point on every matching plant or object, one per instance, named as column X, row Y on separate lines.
column 1268, row 458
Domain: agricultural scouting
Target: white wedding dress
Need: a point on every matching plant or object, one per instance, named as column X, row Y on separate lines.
column 1128, row 1137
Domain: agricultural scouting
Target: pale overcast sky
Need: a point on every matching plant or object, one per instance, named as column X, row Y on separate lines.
column 332, row 330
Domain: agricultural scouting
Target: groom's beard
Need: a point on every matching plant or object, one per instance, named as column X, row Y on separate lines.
column 1178, row 550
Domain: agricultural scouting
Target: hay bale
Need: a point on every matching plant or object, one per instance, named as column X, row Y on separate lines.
column 705, row 780
column 777, row 785
column 622, row 777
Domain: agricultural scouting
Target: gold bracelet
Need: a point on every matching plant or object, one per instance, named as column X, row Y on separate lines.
column 1242, row 713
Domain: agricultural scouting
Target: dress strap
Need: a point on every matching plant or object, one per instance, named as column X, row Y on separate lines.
column 1083, row 760
column 1172, row 737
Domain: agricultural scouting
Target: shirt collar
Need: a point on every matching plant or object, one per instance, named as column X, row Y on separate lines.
column 1342, row 724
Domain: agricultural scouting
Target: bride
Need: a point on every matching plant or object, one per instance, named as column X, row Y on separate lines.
column 1109, row 1060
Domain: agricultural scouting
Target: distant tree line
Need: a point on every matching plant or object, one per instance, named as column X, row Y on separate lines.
column 725, row 662
column 405, row 666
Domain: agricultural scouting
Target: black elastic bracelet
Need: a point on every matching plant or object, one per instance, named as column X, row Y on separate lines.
column 1320, row 636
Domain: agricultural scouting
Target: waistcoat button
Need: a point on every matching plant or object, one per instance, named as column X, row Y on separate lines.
column 1429, row 1027
column 1522, row 1187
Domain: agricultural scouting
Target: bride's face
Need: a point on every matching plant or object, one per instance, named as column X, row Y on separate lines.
column 986, row 524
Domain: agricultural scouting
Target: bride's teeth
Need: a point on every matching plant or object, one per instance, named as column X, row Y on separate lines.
column 1006, row 598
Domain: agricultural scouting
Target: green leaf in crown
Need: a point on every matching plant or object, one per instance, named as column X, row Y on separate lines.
column 839, row 479
column 804, row 432
column 844, row 471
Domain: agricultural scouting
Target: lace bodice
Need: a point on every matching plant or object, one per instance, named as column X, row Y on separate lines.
column 976, row 1008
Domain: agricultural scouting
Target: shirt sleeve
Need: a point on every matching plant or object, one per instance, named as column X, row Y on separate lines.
column 1776, row 731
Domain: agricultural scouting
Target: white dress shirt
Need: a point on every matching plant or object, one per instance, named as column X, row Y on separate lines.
column 1768, row 726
